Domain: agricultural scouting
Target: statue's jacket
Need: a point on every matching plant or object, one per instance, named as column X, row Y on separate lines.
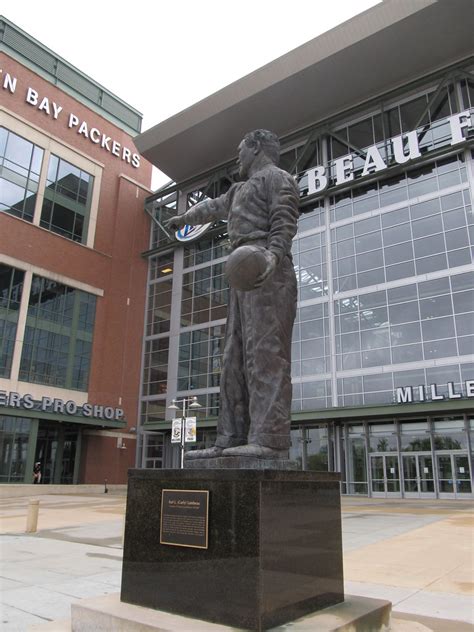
column 264, row 209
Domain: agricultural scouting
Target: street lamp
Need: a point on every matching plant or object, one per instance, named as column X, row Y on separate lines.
column 186, row 402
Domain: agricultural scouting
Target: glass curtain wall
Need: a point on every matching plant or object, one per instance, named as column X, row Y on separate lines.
column 385, row 285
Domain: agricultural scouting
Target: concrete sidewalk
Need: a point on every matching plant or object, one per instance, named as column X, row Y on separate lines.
column 417, row 554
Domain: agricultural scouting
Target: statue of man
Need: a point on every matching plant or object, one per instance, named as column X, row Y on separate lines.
column 255, row 392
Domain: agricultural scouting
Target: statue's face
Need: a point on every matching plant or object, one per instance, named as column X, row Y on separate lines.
column 245, row 159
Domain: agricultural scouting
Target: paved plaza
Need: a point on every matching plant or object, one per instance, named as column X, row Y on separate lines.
column 416, row 553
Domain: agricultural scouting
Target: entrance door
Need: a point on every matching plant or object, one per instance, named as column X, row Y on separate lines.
column 418, row 480
column 46, row 449
column 56, row 450
column 385, row 475
column 454, row 476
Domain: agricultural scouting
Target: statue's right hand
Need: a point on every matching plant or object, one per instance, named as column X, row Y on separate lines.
column 176, row 222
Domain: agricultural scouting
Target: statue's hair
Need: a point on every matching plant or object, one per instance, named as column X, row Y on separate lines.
column 268, row 142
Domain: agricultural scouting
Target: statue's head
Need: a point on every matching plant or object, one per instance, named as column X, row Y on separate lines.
column 257, row 144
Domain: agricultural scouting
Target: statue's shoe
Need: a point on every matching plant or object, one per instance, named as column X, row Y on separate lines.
column 208, row 453
column 258, row 451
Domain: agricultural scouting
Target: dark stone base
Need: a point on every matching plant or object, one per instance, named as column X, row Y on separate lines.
column 275, row 547
column 240, row 463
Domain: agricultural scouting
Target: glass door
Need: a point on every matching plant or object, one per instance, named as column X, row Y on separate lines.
column 153, row 450
column 454, row 475
column 385, row 475
column 462, row 474
column 46, row 449
column 418, row 481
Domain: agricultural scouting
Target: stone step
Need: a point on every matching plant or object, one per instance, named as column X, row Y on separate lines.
column 103, row 614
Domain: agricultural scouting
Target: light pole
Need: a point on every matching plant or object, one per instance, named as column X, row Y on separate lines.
column 189, row 402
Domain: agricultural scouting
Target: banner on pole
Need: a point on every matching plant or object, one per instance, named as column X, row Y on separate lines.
column 176, row 431
column 190, row 434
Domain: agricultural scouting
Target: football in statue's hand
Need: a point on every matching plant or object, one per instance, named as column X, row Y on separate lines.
column 244, row 266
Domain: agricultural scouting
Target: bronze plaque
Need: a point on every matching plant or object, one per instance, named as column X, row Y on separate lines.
column 184, row 518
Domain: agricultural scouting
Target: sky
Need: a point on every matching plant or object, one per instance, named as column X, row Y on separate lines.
column 161, row 57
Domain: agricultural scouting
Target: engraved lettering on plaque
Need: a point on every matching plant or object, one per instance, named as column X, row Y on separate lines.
column 184, row 518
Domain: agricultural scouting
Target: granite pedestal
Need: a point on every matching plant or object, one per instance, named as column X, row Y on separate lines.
column 274, row 551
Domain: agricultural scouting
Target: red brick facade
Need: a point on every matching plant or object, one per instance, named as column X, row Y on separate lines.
column 113, row 264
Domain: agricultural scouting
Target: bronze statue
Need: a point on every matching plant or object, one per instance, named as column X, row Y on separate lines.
column 255, row 392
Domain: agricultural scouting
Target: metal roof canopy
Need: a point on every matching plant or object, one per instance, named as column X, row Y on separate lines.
column 385, row 47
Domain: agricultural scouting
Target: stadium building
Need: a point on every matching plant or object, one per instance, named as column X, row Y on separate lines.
column 72, row 278
column 376, row 123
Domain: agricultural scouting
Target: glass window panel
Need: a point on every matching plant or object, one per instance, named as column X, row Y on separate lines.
column 361, row 134
column 313, row 366
column 392, row 196
column 372, row 318
column 463, row 301
column 425, row 209
column 346, row 266
column 449, row 179
column 410, row 113
column 366, row 243
column 312, row 329
column 459, row 257
column 452, row 201
column 462, row 281
column 399, row 253
column 349, row 361
column 365, row 226
column 313, row 348
column 365, row 204
column 405, row 334
column 421, row 185
column 454, row 219
column 440, row 349
column 374, row 299
column 378, row 357
column 352, row 385
column 375, row 338
column 404, row 312
column 434, row 288
column 392, row 122
column 442, row 374
column 435, row 307
column 397, row 234
column 349, row 342
column 431, row 264
column 464, row 325
column 11, row 195
column 400, row 271
column 458, row 238
column 312, row 311
column 438, row 328
column 18, row 151
column 394, row 218
column 345, row 248
column 427, row 226
column 339, row 149
column 379, row 382
column 373, row 277
column 402, row 294
column 466, row 345
column 409, row 353
column 346, row 283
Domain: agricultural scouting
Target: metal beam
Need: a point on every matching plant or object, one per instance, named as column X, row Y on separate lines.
column 157, row 222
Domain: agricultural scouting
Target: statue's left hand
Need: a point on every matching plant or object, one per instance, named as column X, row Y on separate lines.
column 271, row 265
